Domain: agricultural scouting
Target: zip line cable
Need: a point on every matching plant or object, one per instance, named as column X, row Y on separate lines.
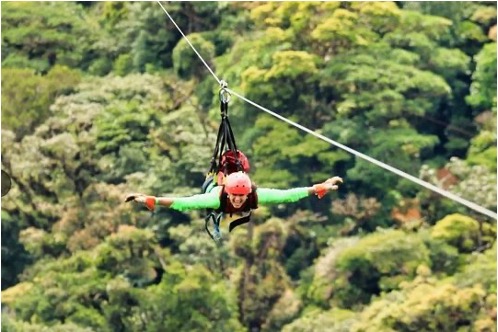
column 394, row 170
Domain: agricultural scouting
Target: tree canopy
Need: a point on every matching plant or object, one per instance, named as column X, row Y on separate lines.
column 104, row 98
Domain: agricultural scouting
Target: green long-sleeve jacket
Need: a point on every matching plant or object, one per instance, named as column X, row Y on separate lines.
column 211, row 200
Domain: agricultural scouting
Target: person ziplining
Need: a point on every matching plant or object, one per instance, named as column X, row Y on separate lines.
column 228, row 192
column 235, row 200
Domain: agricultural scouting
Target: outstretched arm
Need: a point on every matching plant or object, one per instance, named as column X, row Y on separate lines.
column 276, row 196
column 197, row 202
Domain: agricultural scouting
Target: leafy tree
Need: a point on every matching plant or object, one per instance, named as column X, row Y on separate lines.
column 40, row 35
column 35, row 93
column 65, row 194
column 11, row 325
column 303, row 241
column 477, row 179
column 187, row 298
column 482, row 150
column 186, row 62
column 360, row 213
column 377, row 263
column 15, row 256
column 474, row 183
column 312, row 320
column 483, row 88
column 381, row 275
column 123, row 64
column 320, row 289
column 290, row 156
column 262, row 283
column 111, row 292
column 64, row 291
column 470, row 21
column 463, row 232
column 294, row 73
column 445, row 258
column 413, row 309
column 147, row 35
column 481, row 269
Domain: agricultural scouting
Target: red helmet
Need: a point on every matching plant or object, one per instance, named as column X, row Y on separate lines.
column 238, row 183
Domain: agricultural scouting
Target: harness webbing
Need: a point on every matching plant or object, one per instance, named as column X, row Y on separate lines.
column 225, row 139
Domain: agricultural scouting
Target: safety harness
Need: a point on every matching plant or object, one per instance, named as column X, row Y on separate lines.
column 226, row 159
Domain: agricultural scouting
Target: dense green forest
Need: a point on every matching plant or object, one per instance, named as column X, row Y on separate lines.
column 100, row 99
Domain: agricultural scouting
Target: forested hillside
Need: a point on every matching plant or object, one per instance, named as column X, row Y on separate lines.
column 100, row 99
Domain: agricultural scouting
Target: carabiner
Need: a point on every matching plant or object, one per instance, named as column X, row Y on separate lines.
column 224, row 94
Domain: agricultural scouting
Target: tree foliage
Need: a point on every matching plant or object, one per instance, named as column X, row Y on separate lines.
column 27, row 96
column 105, row 98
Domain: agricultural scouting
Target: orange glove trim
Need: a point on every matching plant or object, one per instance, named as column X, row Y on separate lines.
column 150, row 202
column 320, row 190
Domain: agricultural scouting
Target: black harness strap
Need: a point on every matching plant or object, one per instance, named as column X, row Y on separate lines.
column 225, row 140
column 239, row 222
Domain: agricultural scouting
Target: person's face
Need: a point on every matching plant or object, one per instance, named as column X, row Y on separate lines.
column 237, row 200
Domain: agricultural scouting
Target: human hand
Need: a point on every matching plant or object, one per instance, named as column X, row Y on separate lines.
column 332, row 183
column 323, row 188
column 149, row 201
column 135, row 197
